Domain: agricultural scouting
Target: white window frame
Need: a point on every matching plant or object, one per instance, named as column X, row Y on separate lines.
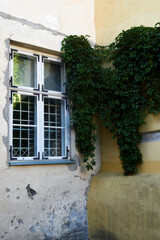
column 40, row 93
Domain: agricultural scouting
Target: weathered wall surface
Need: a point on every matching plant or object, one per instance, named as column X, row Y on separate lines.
column 122, row 208
column 58, row 210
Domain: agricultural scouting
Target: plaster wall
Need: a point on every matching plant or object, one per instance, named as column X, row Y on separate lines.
column 58, row 209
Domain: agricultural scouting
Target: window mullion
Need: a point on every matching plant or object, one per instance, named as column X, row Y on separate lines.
column 41, row 117
column 38, row 127
column 39, row 109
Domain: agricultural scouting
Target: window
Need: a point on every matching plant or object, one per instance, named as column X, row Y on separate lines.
column 39, row 119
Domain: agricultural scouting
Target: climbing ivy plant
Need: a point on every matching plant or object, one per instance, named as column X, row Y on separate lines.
column 120, row 83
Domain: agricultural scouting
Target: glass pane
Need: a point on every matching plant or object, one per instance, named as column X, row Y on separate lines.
column 24, row 137
column 24, row 141
column 24, row 70
column 53, row 112
column 54, row 142
column 52, row 76
column 24, row 109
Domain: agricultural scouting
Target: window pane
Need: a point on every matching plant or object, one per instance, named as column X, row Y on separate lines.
column 24, row 141
column 52, row 76
column 24, row 125
column 24, row 70
column 54, row 142
column 53, row 112
column 24, row 109
column 54, row 131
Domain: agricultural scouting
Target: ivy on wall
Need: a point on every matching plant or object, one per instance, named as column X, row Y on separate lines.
column 119, row 82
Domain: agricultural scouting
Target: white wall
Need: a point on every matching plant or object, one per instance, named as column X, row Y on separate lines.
column 59, row 208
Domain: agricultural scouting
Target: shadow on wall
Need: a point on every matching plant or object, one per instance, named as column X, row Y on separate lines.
column 101, row 234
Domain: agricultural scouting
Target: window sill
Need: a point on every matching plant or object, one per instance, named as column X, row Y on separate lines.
column 40, row 162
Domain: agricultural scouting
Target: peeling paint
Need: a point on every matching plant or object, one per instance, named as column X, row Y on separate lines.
column 73, row 167
column 65, row 192
column 78, row 176
column 76, row 227
column 36, row 26
column 32, row 229
column 20, row 221
column 48, row 233
column 30, row 192
column 8, row 190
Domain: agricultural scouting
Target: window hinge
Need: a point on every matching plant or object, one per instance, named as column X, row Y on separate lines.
column 11, row 54
column 44, row 95
column 37, row 158
column 36, row 55
column 37, row 89
column 11, row 82
column 43, row 157
column 43, row 89
column 67, row 105
column 67, row 153
column 11, row 95
column 11, row 156
column 37, row 94
column 43, row 58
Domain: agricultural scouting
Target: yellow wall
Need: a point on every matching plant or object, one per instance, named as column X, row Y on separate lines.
column 110, row 161
column 111, row 17
column 125, row 208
